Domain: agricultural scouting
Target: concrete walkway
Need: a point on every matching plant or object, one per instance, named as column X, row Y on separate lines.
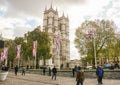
column 36, row 79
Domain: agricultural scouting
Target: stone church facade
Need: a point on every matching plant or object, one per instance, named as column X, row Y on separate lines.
column 57, row 26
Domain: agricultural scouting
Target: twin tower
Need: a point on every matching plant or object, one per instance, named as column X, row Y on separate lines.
column 57, row 26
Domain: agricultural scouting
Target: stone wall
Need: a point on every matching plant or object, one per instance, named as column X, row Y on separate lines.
column 107, row 74
column 111, row 74
column 92, row 74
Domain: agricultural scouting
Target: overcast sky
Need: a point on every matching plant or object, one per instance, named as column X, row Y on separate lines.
column 20, row 16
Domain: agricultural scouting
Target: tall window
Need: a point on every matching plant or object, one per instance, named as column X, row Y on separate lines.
column 53, row 21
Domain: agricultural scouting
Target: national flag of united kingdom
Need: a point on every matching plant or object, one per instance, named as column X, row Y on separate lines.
column 5, row 53
column 1, row 57
column 18, row 51
column 34, row 48
column 90, row 34
column 58, row 44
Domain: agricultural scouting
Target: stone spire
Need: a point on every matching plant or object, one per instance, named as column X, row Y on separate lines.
column 51, row 4
column 56, row 10
column 45, row 8
column 67, row 17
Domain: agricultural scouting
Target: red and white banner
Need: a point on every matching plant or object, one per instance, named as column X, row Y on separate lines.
column 57, row 44
column 5, row 53
column 34, row 48
column 18, row 51
column 1, row 57
column 90, row 34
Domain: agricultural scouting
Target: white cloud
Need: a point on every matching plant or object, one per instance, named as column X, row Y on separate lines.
column 20, row 16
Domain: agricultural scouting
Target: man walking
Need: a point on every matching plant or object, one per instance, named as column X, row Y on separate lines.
column 99, row 73
column 80, row 76
column 54, row 71
column 23, row 70
column 16, row 70
column 73, row 72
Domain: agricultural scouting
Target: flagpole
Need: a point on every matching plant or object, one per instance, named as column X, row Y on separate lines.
column 6, row 58
column 35, row 63
column 18, row 62
column 58, row 51
column 94, row 44
column 35, row 52
column 6, row 61
column 58, row 61
column 18, row 54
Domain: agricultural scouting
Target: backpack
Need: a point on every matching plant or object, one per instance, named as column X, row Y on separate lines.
column 100, row 72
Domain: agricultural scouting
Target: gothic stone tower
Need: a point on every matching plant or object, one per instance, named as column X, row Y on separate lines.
column 58, row 26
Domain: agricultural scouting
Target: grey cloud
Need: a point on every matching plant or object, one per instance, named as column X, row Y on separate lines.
column 30, row 7
column 20, row 31
column 70, row 1
column 35, row 7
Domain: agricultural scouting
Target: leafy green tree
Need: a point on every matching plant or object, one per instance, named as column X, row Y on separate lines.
column 11, row 51
column 23, row 55
column 43, row 44
column 100, row 31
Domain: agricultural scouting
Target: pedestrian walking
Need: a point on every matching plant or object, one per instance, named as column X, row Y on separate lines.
column 44, row 71
column 27, row 67
column 23, row 71
column 16, row 70
column 54, row 72
column 99, row 73
column 73, row 72
column 80, row 77
column 75, row 68
column 49, row 71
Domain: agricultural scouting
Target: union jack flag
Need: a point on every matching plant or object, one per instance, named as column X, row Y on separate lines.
column 5, row 53
column 18, row 51
column 90, row 34
column 1, row 57
column 57, row 44
column 34, row 48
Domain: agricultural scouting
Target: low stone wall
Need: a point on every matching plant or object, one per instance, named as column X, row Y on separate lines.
column 108, row 74
column 92, row 74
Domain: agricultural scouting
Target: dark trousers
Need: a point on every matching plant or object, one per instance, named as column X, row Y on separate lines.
column 23, row 72
column 79, row 82
column 16, row 72
column 54, row 75
column 99, row 79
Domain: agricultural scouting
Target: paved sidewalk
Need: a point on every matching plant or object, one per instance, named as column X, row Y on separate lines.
column 36, row 79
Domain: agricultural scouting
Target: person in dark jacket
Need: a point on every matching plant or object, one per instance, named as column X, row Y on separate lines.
column 44, row 71
column 99, row 73
column 54, row 72
column 16, row 70
column 73, row 72
column 23, row 71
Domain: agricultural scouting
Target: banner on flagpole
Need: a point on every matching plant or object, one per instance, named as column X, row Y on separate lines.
column 34, row 48
column 1, row 57
column 57, row 44
column 90, row 34
column 18, row 51
column 5, row 53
